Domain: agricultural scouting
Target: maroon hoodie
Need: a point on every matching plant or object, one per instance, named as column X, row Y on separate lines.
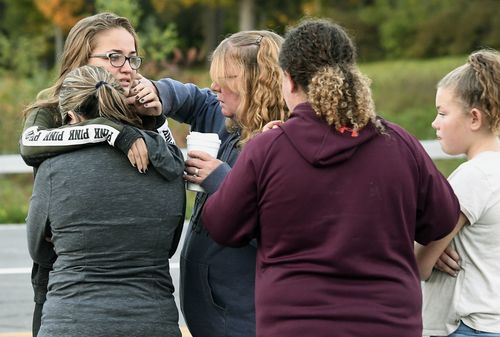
column 335, row 217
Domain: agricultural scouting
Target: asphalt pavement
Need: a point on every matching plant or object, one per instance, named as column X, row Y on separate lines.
column 16, row 294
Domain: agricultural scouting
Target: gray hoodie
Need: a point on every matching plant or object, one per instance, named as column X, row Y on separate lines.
column 112, row 229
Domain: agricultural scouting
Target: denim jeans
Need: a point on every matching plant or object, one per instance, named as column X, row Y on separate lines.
column 465, row 331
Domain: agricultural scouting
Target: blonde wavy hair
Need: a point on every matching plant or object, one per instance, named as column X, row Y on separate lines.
column 321, row 58
column 92, row 91
column 477, row 85
column 80, row 43
column 247, row 63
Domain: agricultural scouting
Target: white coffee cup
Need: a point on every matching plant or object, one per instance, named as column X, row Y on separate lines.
column 206, row 142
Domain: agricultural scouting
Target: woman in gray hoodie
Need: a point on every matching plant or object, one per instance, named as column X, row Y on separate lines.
column 109, row 243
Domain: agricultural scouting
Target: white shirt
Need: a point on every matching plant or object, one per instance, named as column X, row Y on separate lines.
column 474, row 295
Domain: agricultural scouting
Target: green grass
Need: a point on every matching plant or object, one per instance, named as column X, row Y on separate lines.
column 15, row 193
column 15, row 94
column 447, row 166
column 403, row 92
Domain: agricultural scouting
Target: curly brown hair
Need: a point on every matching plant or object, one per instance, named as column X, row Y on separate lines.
column 321, row 58
column 477, row 85
column 253, row 55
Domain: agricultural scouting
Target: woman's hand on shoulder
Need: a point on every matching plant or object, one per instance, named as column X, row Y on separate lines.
column 272, row 125
column 144, row 97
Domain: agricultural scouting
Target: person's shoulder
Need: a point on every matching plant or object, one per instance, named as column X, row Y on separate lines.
column 52, row 111
column 395, row 129
column 89, row 156
column 397, row 133
column 486, row 164
column 43, row 113
column 266, row 139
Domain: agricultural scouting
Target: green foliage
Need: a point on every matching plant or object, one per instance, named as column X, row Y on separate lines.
column 15, row 193
column 15, row 94
column 382, row 28
column 447, row 166
column 418, row 29
column 19, row 55
column 158, row 43
column 130, row 9
column 404, row 91
column 12, row 13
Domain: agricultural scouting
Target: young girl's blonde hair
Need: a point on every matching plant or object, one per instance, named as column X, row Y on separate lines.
column 477, row 85
column 90, row 92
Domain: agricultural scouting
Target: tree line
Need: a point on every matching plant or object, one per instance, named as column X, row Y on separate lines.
column 177, row 33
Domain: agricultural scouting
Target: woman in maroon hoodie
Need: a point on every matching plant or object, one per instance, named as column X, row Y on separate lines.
column 336, row 197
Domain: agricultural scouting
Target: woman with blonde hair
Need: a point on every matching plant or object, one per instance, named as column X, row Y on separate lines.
column 467, row 302
column 335, row 198
column 109, row 250
column 217, row 283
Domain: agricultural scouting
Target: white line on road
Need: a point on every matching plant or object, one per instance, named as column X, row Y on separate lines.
column 14, row 271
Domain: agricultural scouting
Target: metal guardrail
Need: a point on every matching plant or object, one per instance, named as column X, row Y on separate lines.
column 13, row 163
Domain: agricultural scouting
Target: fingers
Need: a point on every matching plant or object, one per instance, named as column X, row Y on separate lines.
column 143, row 153
column 452, row 253
column 138, row 155
column 197, row 169
column 194, row 171
column 442, row 266
column 272, row 125
column 139, row 77
column 145, row 99
column 448, row 265
column 200, row 155
column 450, row 262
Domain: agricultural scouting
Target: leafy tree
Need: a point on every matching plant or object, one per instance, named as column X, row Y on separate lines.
column 19, row 55
column 158, row 45
column 62, row 15
column 17, row 52
column 130, row 9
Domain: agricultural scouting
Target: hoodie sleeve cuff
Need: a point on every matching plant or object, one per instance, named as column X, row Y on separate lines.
column 126, row 138
column 160, row 121
column 213, row 180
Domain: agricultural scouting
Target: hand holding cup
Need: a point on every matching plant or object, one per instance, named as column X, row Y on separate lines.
column 202, row 158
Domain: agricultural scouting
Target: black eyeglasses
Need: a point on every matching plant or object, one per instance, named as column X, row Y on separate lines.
column 117, row 60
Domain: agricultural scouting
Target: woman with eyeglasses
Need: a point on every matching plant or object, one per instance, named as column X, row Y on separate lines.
column 217, row 283
column 109, row 41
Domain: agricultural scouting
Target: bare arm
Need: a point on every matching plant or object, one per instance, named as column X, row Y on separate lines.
column 427, row 256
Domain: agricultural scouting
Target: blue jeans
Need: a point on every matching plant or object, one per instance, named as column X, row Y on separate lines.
column 465, row 331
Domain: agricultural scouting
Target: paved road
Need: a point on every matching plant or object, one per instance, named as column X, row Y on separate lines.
column 16, row 295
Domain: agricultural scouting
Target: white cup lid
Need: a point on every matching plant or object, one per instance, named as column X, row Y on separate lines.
column 212, row 137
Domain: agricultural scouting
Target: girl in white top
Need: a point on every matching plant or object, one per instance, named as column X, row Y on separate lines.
column 468, row 122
